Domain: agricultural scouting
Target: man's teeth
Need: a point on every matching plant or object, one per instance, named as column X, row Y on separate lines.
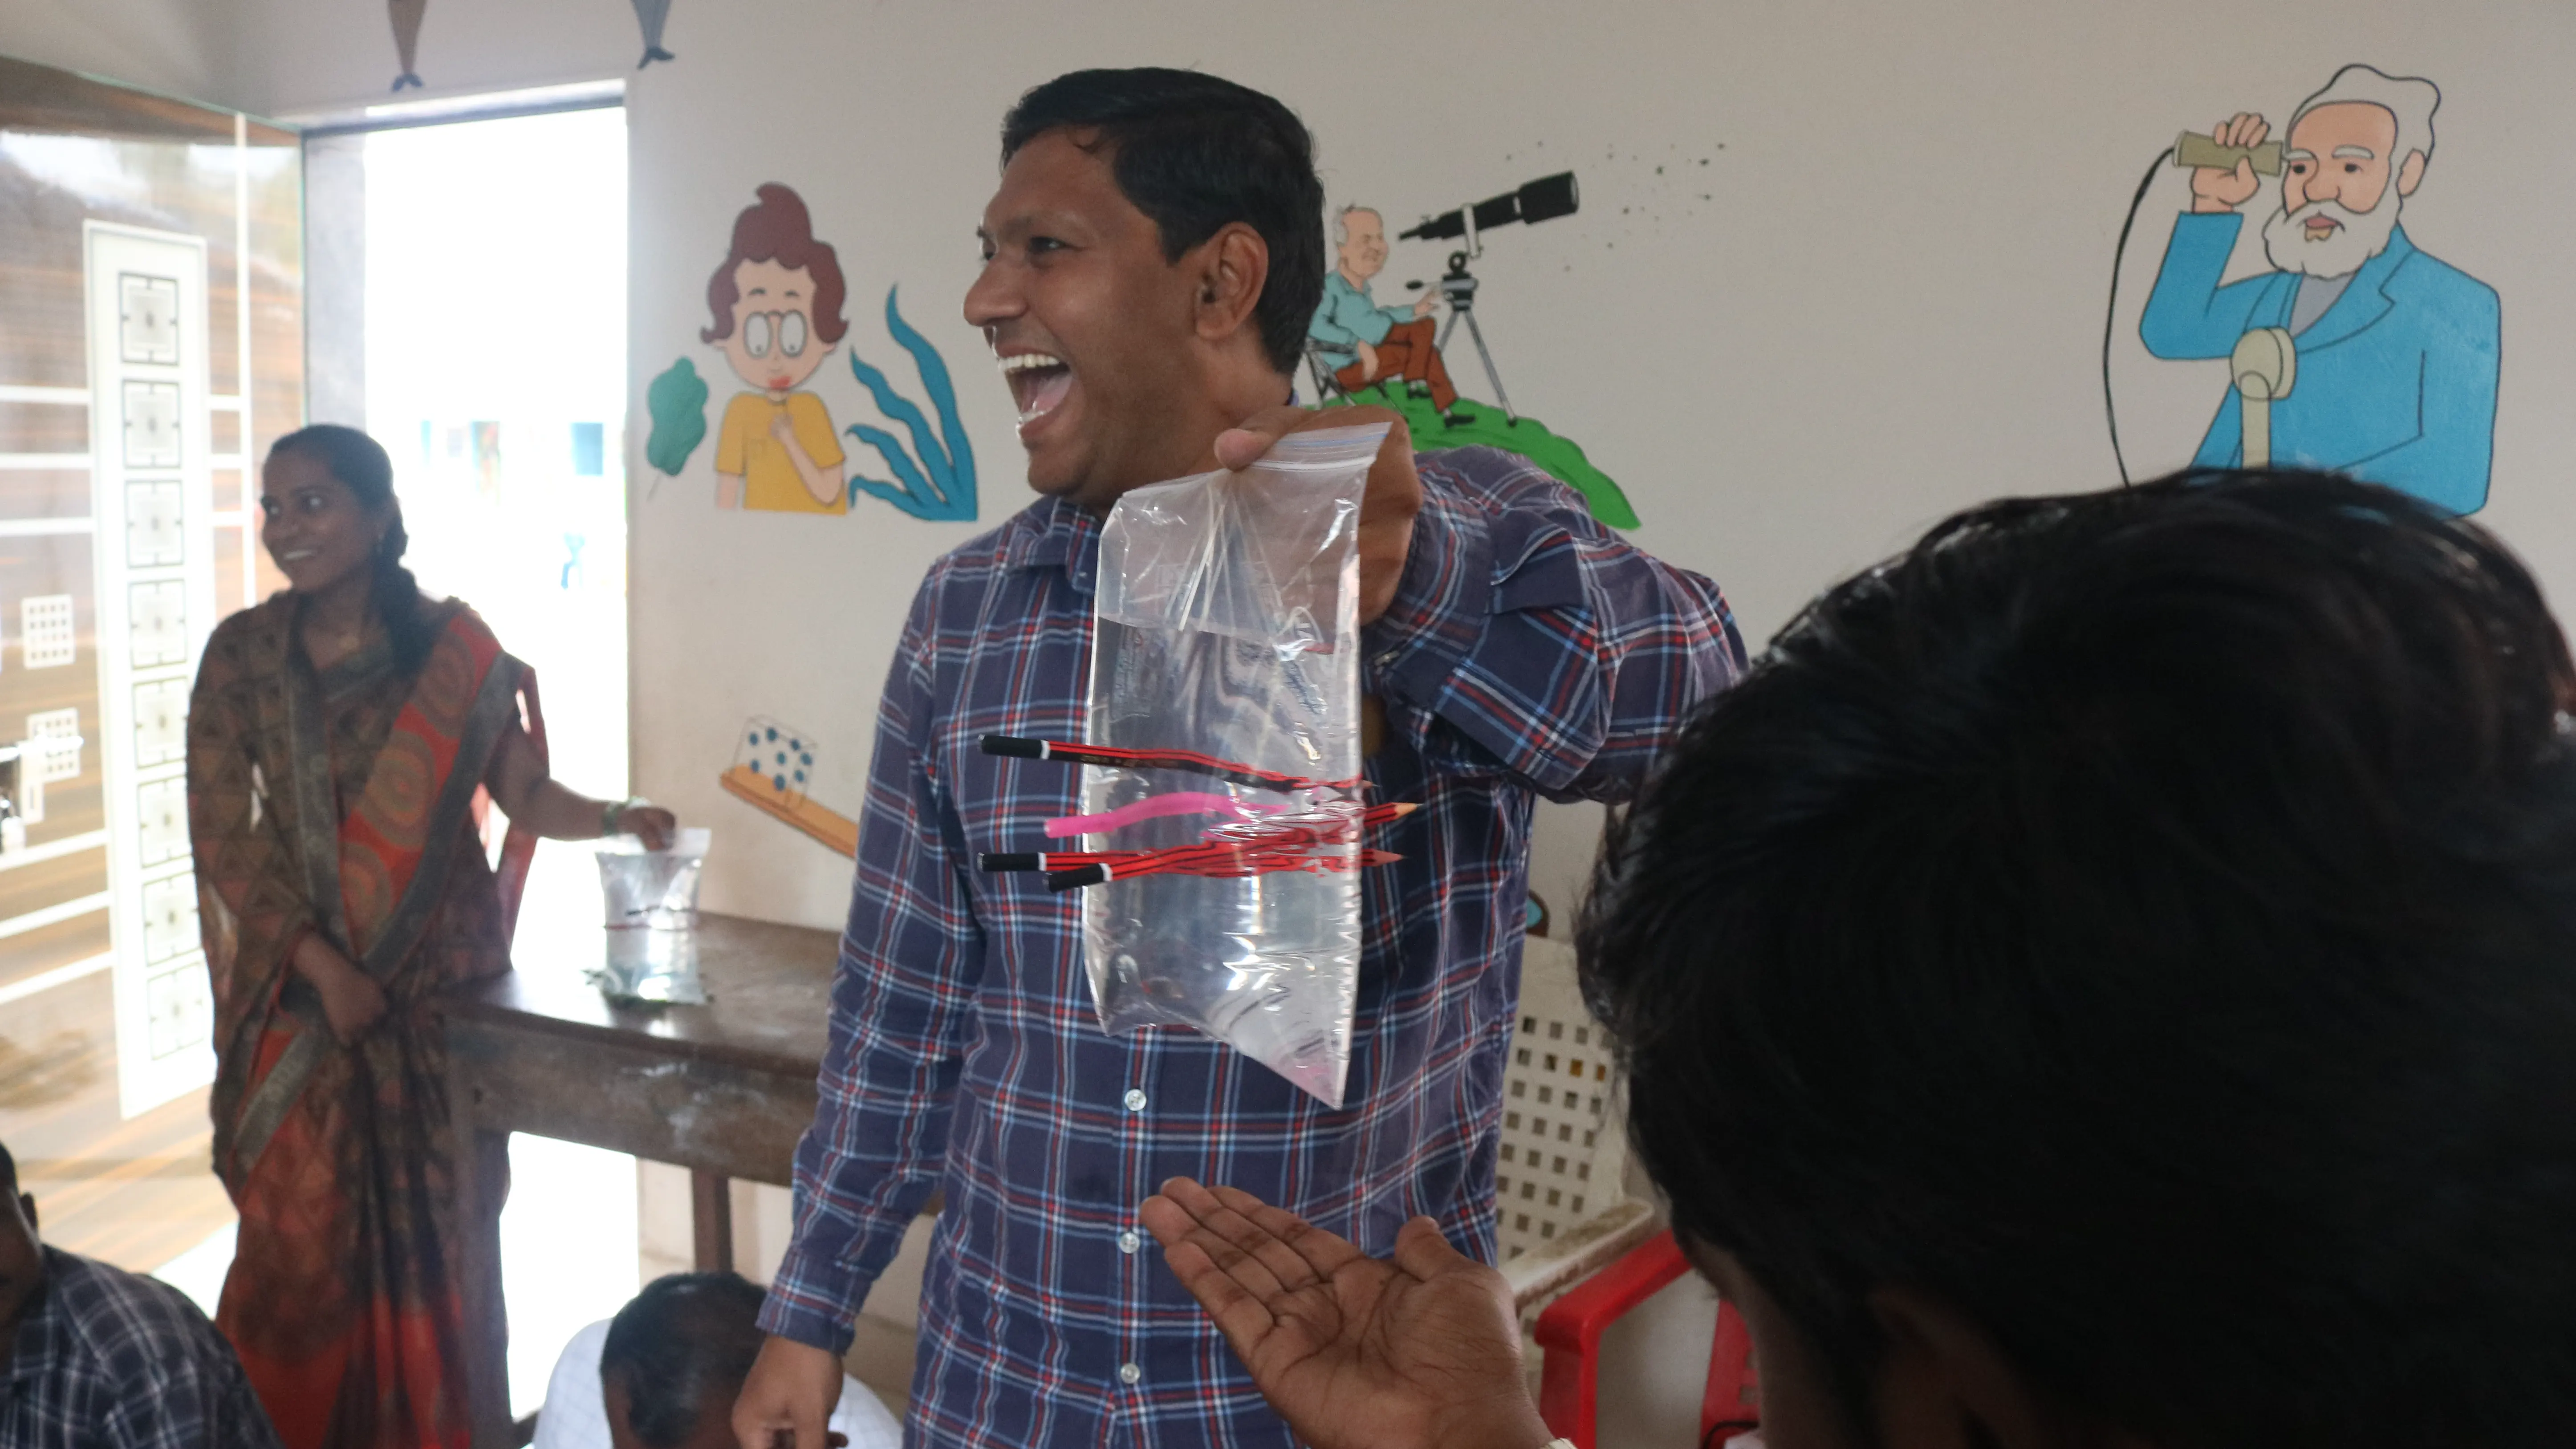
column 1024, row 361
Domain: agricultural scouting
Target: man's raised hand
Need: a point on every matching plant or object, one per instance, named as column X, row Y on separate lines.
column 1388, row 509
column 2220, row 188
column 1419, row 1353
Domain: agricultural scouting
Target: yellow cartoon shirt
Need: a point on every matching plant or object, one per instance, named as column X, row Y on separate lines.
column 769, row 478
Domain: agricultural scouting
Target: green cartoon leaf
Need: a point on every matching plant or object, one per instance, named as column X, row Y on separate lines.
column 677, row 401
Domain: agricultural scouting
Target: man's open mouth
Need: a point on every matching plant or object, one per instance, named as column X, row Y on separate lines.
column 1039, row 382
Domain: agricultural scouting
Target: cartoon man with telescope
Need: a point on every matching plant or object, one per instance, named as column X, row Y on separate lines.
column 2359, row 353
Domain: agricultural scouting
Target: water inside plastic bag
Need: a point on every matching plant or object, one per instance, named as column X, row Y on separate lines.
column 651, row 901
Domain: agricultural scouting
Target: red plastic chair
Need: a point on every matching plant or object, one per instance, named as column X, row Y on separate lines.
column 1570, row 1329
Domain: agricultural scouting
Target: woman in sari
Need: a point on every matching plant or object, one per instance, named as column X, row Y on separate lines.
column 336, row 741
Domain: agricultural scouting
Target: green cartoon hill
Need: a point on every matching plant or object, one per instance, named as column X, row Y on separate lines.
column 1487, row 427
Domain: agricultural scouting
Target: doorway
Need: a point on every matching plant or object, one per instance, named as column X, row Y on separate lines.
column 490, row 361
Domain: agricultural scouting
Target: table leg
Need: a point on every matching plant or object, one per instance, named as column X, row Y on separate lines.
column 482, row 1166
column 711, row 1219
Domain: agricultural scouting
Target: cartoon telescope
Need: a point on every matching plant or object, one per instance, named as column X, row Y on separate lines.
column 1545, row 199
column 2264, row 366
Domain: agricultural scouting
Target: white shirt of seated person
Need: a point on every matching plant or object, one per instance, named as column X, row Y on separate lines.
column 575, row 1415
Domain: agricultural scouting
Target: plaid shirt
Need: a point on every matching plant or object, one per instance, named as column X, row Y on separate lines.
column 109, row 1360
column 1528, row 651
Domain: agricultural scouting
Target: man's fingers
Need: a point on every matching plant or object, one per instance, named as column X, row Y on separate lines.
column 1250, row 1251
column 1318, row 1254
column 1239, row 1314
column 1243, row 444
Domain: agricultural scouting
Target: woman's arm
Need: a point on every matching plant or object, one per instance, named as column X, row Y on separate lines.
column 520, row 786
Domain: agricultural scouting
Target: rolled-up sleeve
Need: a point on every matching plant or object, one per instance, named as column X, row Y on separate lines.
column 1525, row 637
column 910, row 961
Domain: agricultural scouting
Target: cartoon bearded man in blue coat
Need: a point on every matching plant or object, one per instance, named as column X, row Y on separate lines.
column 2396, row 352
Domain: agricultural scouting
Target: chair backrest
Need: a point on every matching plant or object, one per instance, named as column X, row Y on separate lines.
column 1565, row 1154
column 1320, row 370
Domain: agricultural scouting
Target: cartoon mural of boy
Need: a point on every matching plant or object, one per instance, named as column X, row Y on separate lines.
column 777, row 313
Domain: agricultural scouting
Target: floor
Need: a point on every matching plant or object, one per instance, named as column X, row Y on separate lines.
column 134, row 1193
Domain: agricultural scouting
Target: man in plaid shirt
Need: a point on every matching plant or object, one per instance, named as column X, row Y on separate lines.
column 94, row 1357
column 1152, row 258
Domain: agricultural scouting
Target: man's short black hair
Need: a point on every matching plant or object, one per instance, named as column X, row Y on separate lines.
column 1194, row 152
column 682, row 1348
column 2147, row 922
column 8, row 1170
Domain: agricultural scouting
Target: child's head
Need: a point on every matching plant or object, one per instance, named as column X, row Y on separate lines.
column 675, row 1360
column 2115, row 965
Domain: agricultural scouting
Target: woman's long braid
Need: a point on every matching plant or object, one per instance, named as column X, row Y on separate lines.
column 396, row 597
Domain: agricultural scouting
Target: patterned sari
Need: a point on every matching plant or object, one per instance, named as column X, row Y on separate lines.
column 345, row 802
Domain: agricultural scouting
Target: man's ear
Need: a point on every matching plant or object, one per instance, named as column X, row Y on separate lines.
column 27, row 1205
column 1944, row 1384
column 2410, row 173
column 1229, row 270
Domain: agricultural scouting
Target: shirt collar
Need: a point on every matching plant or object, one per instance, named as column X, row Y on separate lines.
column 1055, row 533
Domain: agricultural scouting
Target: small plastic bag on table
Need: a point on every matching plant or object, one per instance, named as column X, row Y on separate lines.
column 1227, row 627
column 650, row 902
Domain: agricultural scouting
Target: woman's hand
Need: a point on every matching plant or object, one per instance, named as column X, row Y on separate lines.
column 351, row 999
column 648, row 823
column 353, row 1002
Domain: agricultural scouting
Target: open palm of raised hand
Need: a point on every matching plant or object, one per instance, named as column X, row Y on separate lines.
column 1354, row 1352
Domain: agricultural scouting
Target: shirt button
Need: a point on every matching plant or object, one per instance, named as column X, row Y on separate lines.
column 1128, row 1242
column 1135, row 1099
column 1128, row 1373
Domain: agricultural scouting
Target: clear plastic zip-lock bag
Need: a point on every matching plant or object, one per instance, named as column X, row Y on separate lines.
column 1227, row 644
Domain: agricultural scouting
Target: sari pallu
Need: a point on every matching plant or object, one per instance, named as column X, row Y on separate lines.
column 344, row 803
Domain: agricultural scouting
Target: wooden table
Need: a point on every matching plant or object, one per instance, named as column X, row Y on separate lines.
column 723, row 1089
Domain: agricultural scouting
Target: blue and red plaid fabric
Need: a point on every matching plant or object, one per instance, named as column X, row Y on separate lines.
column 1529, row 652
column 106, row 1359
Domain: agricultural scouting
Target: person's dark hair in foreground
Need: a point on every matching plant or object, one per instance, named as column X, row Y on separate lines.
column 1193, row 152
column 676, row 1355
column 2107, row 977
